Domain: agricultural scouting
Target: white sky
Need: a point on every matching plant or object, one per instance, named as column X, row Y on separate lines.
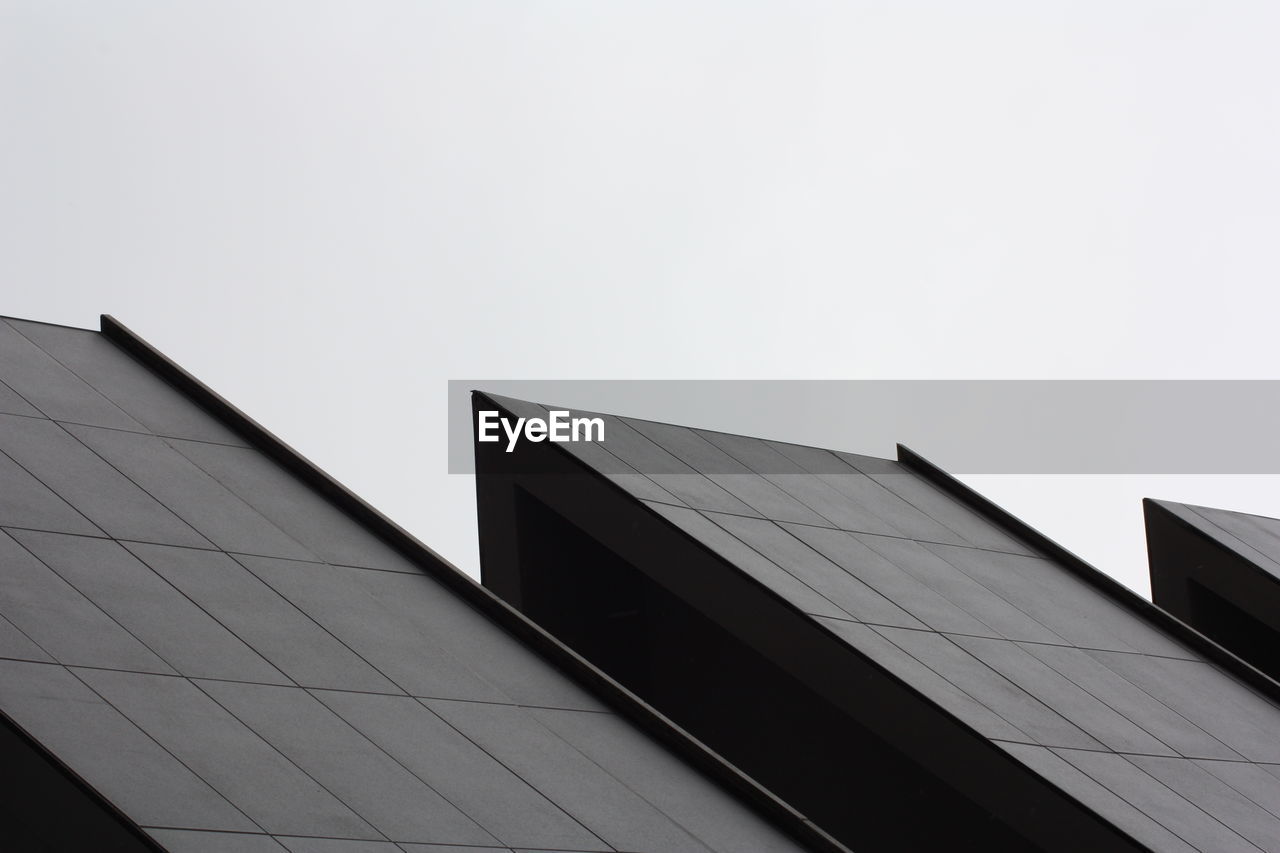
column 325, row 210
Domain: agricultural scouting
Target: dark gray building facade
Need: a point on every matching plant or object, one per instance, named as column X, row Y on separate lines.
column 899, row 659
column 206, row 644
column 685, row 641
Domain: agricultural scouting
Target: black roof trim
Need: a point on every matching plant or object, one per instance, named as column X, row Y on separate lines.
column 1108, row 586
column 556, row 653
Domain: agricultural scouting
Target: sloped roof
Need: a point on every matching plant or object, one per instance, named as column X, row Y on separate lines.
column 1220, row 572
column 229, row 651
column 1074, row 680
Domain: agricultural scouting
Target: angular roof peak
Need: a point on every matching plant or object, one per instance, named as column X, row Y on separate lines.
column 855, row 630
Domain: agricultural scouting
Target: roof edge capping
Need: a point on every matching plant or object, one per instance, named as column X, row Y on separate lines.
column 557, row 654
column 1104, row 583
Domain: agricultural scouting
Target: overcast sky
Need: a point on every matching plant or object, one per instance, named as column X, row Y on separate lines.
column 326, row 210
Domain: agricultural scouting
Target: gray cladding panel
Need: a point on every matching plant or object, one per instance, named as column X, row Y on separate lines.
column 109, row 752
column 11, row 403
column 1064, row 604
column 582, row 788
column 990, row 688
column 851, row 595
column 1165, row 724
column 66, row 624
column 148, row 607
column 925, row 680
column 133, row 388
column 1119, row 775
column 1066, row 697
column 1216, row 797
column 1094, row 795
column 885, row 577
column 292, row 507
column 664, row 781
column 271, row 624
column 222, row 517
column 83, row 479
column 390, row 798
column 52, row 388
column 743, row 557
column 27, row 502
column 1003, row 618
column 1221, row 706
column 405, row 650
column 237, row 763
column 494, row 796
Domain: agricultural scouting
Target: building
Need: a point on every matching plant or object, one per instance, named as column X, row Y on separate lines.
column 206, row 644
column 1219, row 572
column 898, row 659
column 685, row 641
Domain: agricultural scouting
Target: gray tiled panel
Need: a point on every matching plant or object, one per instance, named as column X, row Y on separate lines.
column 835, row 507
column 349, row 765
column 223, row 518
column 149, row 608
column 1260, row 534
column 1157, row 801
column 599, row 801
column 1094, row 796
column 491, row 794
column 1064, row 604
column 1020, row 709
column 1215, row 797
column 52, row 388
column 636, row 484
column 62, row 621
column 726, row 472
column 274, row 627
column 886, row 578
column 1161, row 721
column 926, row 681
column 11, row 403
column 17, row 645
column 666, row 782
column 667, row 471
column 130, row 386
column 1250, row 780
column 225, row 753
column 855, row 485
column 755, row 454
column 1063, row 695
column 745, row 559
column 109, row 752
column 954, row 585
column 26, row 502
column 1217, row 703
column 93, row 487
column 293, row 507
column 946, row 510
column 401, row 649
column 816, row 571
column 494, row 655
column 194, row 841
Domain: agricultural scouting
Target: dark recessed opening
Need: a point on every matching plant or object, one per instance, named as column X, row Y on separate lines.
column 1230, row 626
column 853, row 784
